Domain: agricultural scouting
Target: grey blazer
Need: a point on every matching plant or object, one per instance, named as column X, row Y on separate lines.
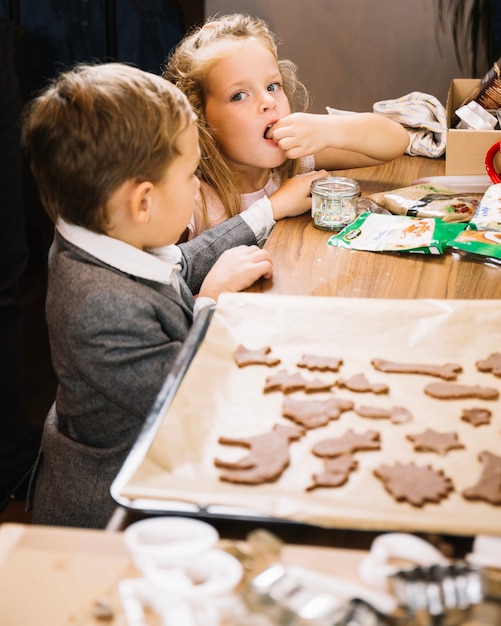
column 113, row 339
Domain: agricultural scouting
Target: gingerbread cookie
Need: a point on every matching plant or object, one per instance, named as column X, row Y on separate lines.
column 315, row 413
column 317, row 385
column 453, row 391
column 449, row 371
column 491, row 364
column 287, row 383
column 244, row 356
column 476, row 416
column 360, row 384
column 396, row 415
column 320, row 363
column 267, row 459
column 488, row 487
column 432, row 441
column 336, row 472
column 348, row 443
column 414, row 484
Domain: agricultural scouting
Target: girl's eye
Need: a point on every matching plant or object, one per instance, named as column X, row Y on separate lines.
column 238, row 97
column 274, row 87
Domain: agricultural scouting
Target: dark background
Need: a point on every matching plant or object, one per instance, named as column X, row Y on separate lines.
column 50, row 36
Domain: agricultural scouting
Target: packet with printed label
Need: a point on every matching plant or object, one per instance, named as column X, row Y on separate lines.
column 397, row 233
column 483, row 245
column 488, row 213
column 427, row 200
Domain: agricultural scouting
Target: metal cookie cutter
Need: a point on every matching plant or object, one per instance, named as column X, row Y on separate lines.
column 438, row 594
column 296, row 596
column 429, row 589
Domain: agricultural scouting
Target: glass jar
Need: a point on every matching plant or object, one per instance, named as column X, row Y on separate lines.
column 334, row 202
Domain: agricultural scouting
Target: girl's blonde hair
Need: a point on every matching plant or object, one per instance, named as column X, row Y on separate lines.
column 188, row 67
column 95, row 127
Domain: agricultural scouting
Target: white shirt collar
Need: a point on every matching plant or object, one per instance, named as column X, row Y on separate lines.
column 158, row 264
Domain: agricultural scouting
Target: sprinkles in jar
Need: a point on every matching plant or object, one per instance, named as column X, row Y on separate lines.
column 334, row 202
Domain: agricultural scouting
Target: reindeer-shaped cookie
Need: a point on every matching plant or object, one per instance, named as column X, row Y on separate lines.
column 267, row 459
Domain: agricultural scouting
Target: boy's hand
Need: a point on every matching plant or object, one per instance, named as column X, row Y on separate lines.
column 236, row 269
column 294, row 197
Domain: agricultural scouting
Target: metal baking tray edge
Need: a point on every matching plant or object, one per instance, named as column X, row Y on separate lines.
column 149, row 506
column 154, row 419
column 152, row 424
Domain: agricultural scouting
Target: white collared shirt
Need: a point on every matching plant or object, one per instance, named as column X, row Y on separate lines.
column 163, row 264
column 160, row 264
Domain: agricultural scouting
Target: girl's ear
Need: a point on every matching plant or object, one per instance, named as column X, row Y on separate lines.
column 141, row 202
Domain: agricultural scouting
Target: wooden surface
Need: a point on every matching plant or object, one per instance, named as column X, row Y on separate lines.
column 305, row 265
column 51, row 576
column 54, row 576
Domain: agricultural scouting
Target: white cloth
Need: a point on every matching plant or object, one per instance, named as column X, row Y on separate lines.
column 423, row 116
column 259, row 217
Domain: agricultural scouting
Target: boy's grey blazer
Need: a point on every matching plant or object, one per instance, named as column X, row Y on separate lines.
column 113, row 339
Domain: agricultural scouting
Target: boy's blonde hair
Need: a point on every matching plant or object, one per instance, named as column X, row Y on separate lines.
column 95, row 127
column 188, row 67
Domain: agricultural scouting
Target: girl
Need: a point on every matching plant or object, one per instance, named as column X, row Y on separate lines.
column 252, row 145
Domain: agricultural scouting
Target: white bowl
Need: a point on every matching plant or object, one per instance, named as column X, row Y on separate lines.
column 168, row 541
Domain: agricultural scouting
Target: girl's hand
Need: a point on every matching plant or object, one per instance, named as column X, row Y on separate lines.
column 294, row 197
column 340, row 141
column 300, row 134
column 236, row 269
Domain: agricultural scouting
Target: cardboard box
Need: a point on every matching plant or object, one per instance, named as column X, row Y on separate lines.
column 465, row 151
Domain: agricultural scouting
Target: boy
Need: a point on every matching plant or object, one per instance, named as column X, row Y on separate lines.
column 114, row 151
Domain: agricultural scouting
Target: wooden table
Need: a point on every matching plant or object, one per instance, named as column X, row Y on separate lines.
column 305, row 265
column 53, row 576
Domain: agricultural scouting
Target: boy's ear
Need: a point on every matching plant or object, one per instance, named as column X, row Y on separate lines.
column 141, row 202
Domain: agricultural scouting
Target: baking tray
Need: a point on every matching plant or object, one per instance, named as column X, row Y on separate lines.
column 170, row 469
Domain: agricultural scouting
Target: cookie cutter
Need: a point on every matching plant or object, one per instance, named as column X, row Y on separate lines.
column 486, row 553
column 445, row 591
column 431, row 588
column 379, row 564
column 295, row 596
column 183, row 572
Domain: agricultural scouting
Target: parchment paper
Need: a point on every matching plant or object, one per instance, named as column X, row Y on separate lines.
column 218, row 398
